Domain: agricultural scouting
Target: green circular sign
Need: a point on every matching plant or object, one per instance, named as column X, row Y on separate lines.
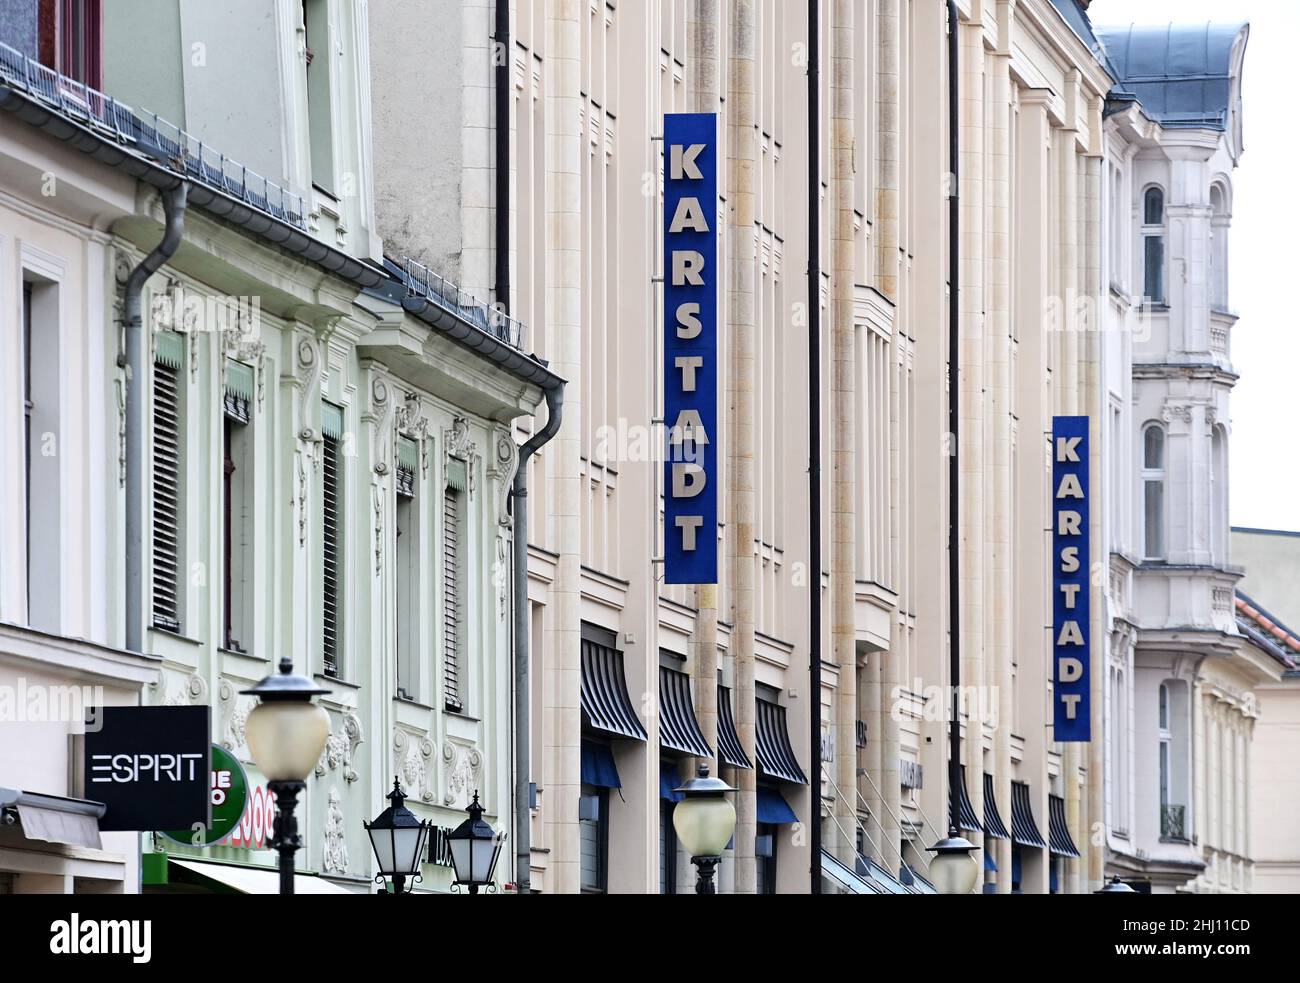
column 229, row 799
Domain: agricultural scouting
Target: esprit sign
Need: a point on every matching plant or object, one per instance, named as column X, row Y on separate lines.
column 690, row 348
column 149, row 766
column 1071, row 579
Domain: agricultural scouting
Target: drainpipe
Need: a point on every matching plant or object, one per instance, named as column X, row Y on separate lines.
column 523, row 723
column 134, row 359
column 502, row 39
column 954, row 417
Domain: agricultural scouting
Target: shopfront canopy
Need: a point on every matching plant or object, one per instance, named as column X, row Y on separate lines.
column 53, row 818
column 606, row 705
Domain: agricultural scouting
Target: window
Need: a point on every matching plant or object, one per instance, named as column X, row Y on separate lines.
column 316, row 28
column 331, row 534
column 1219, row 496
column 1153, row 491
column 237, row 508
column 765, row 858
column 1166, row 738
column 1172, row 760
column 168, row 466
column 1220, row 223
column 407, row 571
column 79, row 41
column 667, row 848
column 593, row 839
column 453, row 587
column 1153, row 246
column 42, row 383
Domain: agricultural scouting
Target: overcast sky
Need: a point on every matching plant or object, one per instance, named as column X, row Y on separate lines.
column 1265, row 279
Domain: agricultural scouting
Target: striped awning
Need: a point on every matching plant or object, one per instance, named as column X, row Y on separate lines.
column 1058, row 830
column 994, row 828
column 730, row 750
column 679, row 730
column 966, row 817
column 1023, row 828
column 606, row 705
column 772, row 743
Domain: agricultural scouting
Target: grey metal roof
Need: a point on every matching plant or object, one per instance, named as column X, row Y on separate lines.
column 1183, row 74
column 1076, row 16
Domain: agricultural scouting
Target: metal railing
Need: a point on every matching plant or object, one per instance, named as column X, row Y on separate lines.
column 424, row 283
column 1173, row 822
column 149, row 135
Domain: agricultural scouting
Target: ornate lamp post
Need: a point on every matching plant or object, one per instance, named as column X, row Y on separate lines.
column 704, row 821
column 398, row 839
column 286, row 733
column 475, row 847
column 1115, row 886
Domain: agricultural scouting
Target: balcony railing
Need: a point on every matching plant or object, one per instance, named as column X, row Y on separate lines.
column 149, row 135
column 424, row 283
column 1173, row 823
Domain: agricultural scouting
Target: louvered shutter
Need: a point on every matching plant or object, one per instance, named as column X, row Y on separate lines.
column 452, row 560
column 169, row 356
column 331, row 506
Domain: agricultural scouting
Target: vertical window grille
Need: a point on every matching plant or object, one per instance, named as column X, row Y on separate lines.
column 169, row 357
column 237, row 401
column 453, row 569
column 331, row 534
column 408, row 570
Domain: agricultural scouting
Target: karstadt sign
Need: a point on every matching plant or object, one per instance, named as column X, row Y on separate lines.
column 690, row 348
column 1071, row 580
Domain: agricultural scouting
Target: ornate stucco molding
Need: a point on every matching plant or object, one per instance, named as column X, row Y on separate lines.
column 340, row 749
column 411, row 757
column 457, row 443
column 335, row 858
column 463, row 768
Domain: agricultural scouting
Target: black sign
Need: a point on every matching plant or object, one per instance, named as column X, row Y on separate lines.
column 150, row 766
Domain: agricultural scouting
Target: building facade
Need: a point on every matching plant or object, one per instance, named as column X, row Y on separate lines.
column 1181, row 678
column 328, row 448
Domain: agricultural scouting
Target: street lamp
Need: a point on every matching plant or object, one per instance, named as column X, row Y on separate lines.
column 286, row 733
column 398, row 839
column 1115, row 886
column 475, row 847
column 953, row 869
column 704, row 820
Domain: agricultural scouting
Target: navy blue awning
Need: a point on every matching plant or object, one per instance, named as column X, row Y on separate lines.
column 679, row 730
column 990, row 864
column 730, row 749
column 772, row 809
column 1058, row 829
column 598, row 766
column 606, row 704
column 1023, row 828
column 966, row 817
column 668, row 781
column 776, row 757
column 994, row 828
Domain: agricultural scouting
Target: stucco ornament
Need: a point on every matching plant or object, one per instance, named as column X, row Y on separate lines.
column 412, row 756
column 340, row 749
column 409, row 421
column 457, row 443
column 192, row 691
column 335, row 859
column 236, row 716
column 463, row 766
column 240, row 342
column 505, row 459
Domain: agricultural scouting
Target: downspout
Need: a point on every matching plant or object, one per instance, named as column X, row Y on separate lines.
column 502, row 39
column 814, row 446
column 523, row 723
column 134, row 359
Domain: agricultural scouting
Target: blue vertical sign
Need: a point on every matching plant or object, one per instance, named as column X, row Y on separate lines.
column 1071, row 581
column 690, row 349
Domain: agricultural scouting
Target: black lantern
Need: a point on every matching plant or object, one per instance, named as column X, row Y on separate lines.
column 1115, row 886
column 286, row 733
column 704, row 821
column 398, row 839
column 474, row 849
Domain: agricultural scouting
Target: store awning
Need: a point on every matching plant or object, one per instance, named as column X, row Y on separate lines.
column 1058, row 830
column 598, row 767
column 606, row 704
column 771, row 808
column 255, row 880
column 837, row 873
column 966, row 817
column 994, row 828
column 882, row 879
column 679, row 730
column 729, row 747
column 55, row 818
column 1023, row 828
column 772, row 743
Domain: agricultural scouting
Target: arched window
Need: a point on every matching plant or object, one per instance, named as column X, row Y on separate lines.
column 1153, row 491
column 1220, row 222
column 1153, row 246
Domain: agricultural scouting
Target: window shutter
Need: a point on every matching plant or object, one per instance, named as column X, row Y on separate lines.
column 451, row 597
column 169, row 349
column 331, row 506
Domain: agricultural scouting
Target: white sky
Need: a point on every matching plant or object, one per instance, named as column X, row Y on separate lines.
column 1265, row 279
